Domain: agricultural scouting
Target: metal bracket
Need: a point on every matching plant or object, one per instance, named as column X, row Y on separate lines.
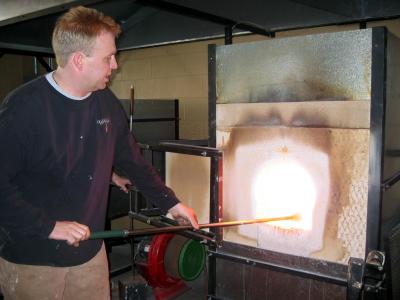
column 374, row 276
column 366, row 278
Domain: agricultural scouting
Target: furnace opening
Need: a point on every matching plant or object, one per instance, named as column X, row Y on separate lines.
column 282, row 187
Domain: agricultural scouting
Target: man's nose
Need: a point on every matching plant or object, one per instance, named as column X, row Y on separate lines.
column 113, row 63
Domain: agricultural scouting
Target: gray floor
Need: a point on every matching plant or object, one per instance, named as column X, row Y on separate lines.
column 120, row 256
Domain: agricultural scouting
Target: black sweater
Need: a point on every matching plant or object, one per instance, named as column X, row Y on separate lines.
column 56, row 157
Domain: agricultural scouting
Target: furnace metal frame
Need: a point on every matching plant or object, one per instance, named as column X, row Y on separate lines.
column 383, row 209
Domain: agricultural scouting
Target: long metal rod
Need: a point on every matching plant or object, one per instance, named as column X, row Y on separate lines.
column 131, row 107
column 170, row 229
column 245, row 222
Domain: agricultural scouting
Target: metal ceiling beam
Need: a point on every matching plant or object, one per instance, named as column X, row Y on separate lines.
column 25, row 50
column 138, row 16
column 342, row 8
column 148, row 23
column 197, row 14
column 14, row 11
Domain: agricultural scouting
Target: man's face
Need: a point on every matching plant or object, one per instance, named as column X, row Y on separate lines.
column 100, row 63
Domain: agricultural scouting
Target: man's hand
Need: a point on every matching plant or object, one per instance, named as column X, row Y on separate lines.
column 122, row 182
column 71, row 232
column 184, row 215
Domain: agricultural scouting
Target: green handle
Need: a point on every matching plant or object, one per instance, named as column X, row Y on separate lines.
column 108, row 234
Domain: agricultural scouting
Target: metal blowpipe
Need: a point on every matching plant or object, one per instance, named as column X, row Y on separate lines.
column 131, row 107
column 169, row 229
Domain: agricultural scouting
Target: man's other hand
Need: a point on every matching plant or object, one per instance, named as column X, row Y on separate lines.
column 122, row 182
column 184, row 215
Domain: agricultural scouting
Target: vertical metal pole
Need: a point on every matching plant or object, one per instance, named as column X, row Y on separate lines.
column 131, row 107
column 133, row 199
column 132, row 208
column 377, row 139
column 215, row 205
column 212, row 96
column 214, row 168
column 212, row 261
column 215, row 216
column 51, row 63
column 35, row 67
column 176, row 119
column 228, row 35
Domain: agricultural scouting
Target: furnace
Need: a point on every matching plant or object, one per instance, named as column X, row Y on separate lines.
column 307, row 125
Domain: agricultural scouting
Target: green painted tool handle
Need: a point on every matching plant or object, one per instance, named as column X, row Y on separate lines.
column 108, row 234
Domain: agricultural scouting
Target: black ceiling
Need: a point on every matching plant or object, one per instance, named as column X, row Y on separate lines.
column 156, row 22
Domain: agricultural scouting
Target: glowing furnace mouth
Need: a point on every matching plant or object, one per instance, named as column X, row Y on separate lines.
column 284, row 187
column 280, row 176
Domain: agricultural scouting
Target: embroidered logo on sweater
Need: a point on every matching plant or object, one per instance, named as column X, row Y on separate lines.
column 105, row 122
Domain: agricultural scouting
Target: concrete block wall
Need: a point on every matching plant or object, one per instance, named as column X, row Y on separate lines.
column 169, row 72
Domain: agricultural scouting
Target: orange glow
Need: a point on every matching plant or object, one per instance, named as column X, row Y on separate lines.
column 284, row 187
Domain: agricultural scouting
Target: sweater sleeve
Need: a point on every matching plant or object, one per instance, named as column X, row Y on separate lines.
column 16, row 214
column 131, row 162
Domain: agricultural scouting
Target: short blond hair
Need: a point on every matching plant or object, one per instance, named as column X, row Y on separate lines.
column 77, row 29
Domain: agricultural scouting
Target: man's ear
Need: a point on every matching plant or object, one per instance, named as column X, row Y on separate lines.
column 77, row 60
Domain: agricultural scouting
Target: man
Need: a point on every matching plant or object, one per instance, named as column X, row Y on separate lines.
column 60, row 137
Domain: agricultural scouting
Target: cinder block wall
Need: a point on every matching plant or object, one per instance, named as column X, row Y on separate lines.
column 169, row 72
